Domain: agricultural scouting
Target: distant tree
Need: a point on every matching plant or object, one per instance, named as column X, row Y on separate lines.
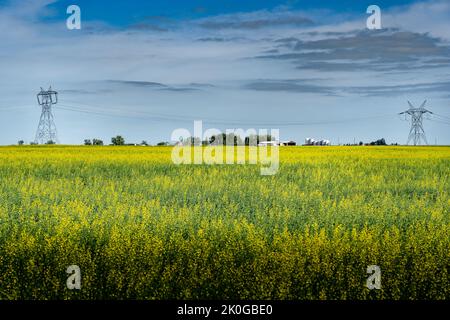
column 218, row 140
column 87, row 142
column 194, row 141
column 224, row 139
column 380, row 142
column 251, row 140
column 50, row 142
column 118, row 141
column 233, row 139
column 361, row 143
column 144, row 143
column 163, row 143
column 97, row 142
column 21, row 142
column 32, row 143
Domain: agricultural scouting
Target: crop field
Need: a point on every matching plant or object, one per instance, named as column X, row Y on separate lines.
column 141, row 227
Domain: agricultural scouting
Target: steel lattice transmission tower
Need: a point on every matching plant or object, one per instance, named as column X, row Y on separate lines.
column 417, row 133
column 46, row 130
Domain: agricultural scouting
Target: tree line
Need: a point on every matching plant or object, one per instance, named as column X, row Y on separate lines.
column 227, row 139
column 221, row 139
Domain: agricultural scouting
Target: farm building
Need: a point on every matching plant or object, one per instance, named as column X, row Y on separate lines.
column 313, row 142
column 277, row 143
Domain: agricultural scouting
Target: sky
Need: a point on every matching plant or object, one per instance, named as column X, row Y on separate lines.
column 143, row 69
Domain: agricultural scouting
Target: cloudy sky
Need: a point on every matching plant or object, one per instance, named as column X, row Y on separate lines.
column 143, row 69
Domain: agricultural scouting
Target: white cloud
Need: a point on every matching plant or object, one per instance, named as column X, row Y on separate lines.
column 34, row 54
column 424, row 17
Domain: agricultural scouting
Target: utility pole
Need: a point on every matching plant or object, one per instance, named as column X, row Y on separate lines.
column 416, row 133
column 46, row 130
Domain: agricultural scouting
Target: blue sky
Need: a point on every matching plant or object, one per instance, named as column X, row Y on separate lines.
column 127, row 12
column 145, row 68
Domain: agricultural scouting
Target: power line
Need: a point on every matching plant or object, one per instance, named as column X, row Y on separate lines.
column 108, row 114
column 133, row 114
column 9, row 108
column 441, row 116
column 440, row 121
column 89, row 109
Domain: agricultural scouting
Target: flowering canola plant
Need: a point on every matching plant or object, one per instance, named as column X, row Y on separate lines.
column 140, row 227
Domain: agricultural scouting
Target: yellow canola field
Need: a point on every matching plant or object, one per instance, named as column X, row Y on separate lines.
column 140, row 227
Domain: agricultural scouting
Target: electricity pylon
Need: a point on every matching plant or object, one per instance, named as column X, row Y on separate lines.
column 417, row 133
column 46, row 130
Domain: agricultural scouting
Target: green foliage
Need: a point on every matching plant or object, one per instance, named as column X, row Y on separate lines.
column 379, row 142
column 118, row 141
column 97, row 142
